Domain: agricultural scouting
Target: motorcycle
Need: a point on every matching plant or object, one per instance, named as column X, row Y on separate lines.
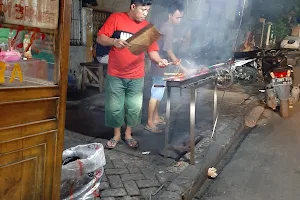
column 243, row 68
column 278, row 78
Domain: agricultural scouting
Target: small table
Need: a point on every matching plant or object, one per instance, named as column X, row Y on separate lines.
column 93, row 74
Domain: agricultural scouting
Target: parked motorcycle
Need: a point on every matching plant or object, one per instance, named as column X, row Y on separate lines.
column 278, row 78
column 243, row 68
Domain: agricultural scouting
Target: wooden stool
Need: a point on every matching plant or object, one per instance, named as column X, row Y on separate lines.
column 93, row 75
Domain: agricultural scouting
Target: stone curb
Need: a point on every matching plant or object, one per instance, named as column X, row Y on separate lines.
column 190, row 181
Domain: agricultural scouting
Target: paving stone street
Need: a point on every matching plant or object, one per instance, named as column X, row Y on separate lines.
column 139, row 174
column 129, row 175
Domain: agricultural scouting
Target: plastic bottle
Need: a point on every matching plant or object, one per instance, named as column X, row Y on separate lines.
column 296, row 93
column 26, row 42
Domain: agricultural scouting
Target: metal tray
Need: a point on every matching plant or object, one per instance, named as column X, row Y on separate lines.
column 194, row 81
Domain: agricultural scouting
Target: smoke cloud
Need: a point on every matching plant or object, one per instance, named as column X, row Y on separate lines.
column 212, row 29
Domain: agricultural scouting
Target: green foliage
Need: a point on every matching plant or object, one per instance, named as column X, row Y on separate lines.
column 287, row 19
column 281, row 28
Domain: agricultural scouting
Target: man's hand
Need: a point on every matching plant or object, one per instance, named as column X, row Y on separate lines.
column 120, row 44
column 154, row 56
column 163, row 63
column 177, row 62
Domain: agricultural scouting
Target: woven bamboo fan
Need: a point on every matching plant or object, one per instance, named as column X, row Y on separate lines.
column 141, row 41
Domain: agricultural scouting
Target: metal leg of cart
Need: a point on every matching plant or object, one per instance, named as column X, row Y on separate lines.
column 192, row 125
column 215, row 111
column 167, row 128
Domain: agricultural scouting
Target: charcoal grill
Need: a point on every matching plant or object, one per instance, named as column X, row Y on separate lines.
column 191, row 83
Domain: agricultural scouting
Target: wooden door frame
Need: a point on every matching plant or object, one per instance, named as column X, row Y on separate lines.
column 57, row 94
column 63, row 55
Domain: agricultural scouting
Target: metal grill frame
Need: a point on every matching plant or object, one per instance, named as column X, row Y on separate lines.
column 192, row 84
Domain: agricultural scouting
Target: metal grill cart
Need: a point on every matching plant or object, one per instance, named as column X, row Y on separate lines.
column 191, row 83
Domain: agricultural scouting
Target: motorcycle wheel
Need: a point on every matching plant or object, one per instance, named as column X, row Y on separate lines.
column 251, row 76
column 225, row 78
column 284, row 108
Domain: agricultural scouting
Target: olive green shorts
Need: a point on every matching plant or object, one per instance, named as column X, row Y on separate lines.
column 123, row 101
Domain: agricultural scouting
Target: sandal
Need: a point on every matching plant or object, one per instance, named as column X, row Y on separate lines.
column 162, row 121
column 111, row 144
column 153, row 130
column 133, row 143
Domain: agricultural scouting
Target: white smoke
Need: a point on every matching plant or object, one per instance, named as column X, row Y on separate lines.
column 215, row 28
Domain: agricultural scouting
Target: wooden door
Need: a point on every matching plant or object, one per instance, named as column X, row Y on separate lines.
column 32, row 118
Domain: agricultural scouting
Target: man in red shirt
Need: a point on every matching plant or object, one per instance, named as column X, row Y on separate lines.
column 125, row 76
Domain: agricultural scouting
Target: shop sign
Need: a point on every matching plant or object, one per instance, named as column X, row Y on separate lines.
column 16, row 72
column 33, row 13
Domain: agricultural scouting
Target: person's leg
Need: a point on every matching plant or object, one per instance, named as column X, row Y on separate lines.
column 114, row 107
column 156, row 96
column 133, row 108
column 158, row 119
column 155, row 115
column 151, row 111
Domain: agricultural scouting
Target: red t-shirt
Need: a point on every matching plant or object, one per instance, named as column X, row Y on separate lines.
column 122, row 63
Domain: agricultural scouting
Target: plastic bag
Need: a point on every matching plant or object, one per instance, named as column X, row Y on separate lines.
column 82, row 171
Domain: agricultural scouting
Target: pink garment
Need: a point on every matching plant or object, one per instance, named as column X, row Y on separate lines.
column 10, row 56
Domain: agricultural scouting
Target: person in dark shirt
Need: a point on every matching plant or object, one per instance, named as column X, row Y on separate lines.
column 166, row 49
column 100, row 53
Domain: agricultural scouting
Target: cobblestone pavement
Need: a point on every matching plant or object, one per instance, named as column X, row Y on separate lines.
column 131, row 175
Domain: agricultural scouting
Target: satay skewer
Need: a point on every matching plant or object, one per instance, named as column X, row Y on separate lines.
column 175, row 62
column 173, row 74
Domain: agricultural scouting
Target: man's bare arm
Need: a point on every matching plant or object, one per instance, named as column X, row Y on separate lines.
column 155, row 57
column 107, row 41
column 172, row 56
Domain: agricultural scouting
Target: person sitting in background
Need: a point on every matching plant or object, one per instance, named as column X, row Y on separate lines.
column 100, row 53
column 175, row 14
